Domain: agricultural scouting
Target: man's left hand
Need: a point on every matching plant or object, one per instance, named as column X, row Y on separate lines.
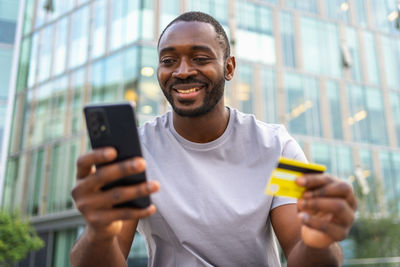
column 326, row 209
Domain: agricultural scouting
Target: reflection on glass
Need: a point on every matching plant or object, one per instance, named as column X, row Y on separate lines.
column 245, row 89
column 45, row 53
column 302, row 102
column 125, row 22
column 255, row 40
column 99, row 28
column 216, row 8
column 10, row 184
column 395, row 108
column 63, row 241
column 390, row 166
column 288, row 46
column 352, row 44
column 33, row 59
column 337, row 9
column 332, row 93
column 320, row 45
column 40, row 15
column 269, row 102
column 305, row 5
column 169, row 11
column 79, row 37
column 367, row 118
column 360, row 12
column 60, row 50
column 371, row 58
column 382, row 9
column 149, row 91
column 78, row 83
column 24, row 63
column 391, row 57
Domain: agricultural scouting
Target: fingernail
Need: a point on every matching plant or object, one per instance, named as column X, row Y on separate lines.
column 153, row 185
column 304, row 217
column 109, row 153
column 301, row 181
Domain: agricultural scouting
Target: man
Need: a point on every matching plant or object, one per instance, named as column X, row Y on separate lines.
column 209, row 164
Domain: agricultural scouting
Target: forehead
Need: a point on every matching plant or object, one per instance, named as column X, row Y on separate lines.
column 190, row 33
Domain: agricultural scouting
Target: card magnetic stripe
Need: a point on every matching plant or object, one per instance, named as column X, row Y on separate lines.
column 297, row 168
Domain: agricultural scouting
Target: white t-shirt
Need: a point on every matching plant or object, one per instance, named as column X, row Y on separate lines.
column 211, row 207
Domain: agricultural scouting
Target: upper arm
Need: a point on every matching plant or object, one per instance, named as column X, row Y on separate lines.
column 126, row 236
column 287, row 226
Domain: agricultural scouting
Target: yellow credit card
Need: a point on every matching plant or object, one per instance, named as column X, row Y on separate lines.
column 283, row 179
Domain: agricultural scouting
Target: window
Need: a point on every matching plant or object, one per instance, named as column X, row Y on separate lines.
column 332, row 93
column 337, row 9
column 391, row 58
column 352, row 44
column 395, row 107
column 360, row 12
column 34, row 188
column 79, row 37
column 305, row 5
column 77, row 87
column 149, row 91
column 10, row 184
column 269, row 95
column 320, row 44
column 216, row 8
column 302, row 102
column 99, row 28
column 370, row 202
column 373, row 73
column 33, row 59
column 288, row 44
column 63, row 241
column 125, row 23
column 383, row 12
column 23, row 68
column 390, row 166
column 45, row 53
column 6, row 55
column 169, row 11
column 60, row 46
column 337, row 159
column 255, row 40
column 245, row 88
column 367, row 118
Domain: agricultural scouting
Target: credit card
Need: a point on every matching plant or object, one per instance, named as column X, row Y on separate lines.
column 283, row 179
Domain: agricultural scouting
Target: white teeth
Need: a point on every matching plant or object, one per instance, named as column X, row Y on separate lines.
column 187, row 91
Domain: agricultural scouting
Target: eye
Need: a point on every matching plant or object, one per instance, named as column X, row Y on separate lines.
column 167, row 61
column 201, row 59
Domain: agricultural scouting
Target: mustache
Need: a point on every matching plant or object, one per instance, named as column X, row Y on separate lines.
column 178, row 81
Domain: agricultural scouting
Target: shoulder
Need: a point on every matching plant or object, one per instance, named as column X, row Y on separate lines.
column 153, row 128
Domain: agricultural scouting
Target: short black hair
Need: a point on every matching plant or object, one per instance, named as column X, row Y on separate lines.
column 203, row 17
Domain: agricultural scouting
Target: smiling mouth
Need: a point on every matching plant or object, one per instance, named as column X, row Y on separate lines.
column 187, row 91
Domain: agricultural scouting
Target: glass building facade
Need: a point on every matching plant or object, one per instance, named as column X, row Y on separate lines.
column 328, row 70
column 8, row 22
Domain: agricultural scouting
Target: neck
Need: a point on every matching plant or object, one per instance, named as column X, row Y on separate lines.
column 205, row 128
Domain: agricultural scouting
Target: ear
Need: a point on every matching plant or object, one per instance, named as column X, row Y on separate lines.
column 230, row 65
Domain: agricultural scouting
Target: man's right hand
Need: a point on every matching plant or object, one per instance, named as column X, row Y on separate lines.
column 104, row 221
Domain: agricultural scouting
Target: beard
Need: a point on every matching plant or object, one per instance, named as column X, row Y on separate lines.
column 210, row 100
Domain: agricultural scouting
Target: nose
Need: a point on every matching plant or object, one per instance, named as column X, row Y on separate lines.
column 184, row 70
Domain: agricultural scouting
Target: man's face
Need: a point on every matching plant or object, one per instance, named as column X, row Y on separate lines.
column 191, row 69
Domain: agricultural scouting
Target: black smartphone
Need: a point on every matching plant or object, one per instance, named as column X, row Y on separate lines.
column 115, row 125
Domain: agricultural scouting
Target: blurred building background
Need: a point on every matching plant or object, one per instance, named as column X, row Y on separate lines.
column 8, row 23
column 327, row 69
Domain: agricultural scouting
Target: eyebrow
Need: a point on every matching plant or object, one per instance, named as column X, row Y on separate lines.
column 193, row 48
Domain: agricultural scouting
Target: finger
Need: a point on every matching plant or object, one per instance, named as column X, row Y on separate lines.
column 97, row 156
column 339, row 208
column 107, row 199
column 115, row 171
column 311, row 181
column 121, row 194
column 339, row 189
column 108, row 216
column 335, row 231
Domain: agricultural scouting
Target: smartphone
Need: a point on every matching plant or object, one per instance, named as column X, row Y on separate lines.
column 115, row 125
